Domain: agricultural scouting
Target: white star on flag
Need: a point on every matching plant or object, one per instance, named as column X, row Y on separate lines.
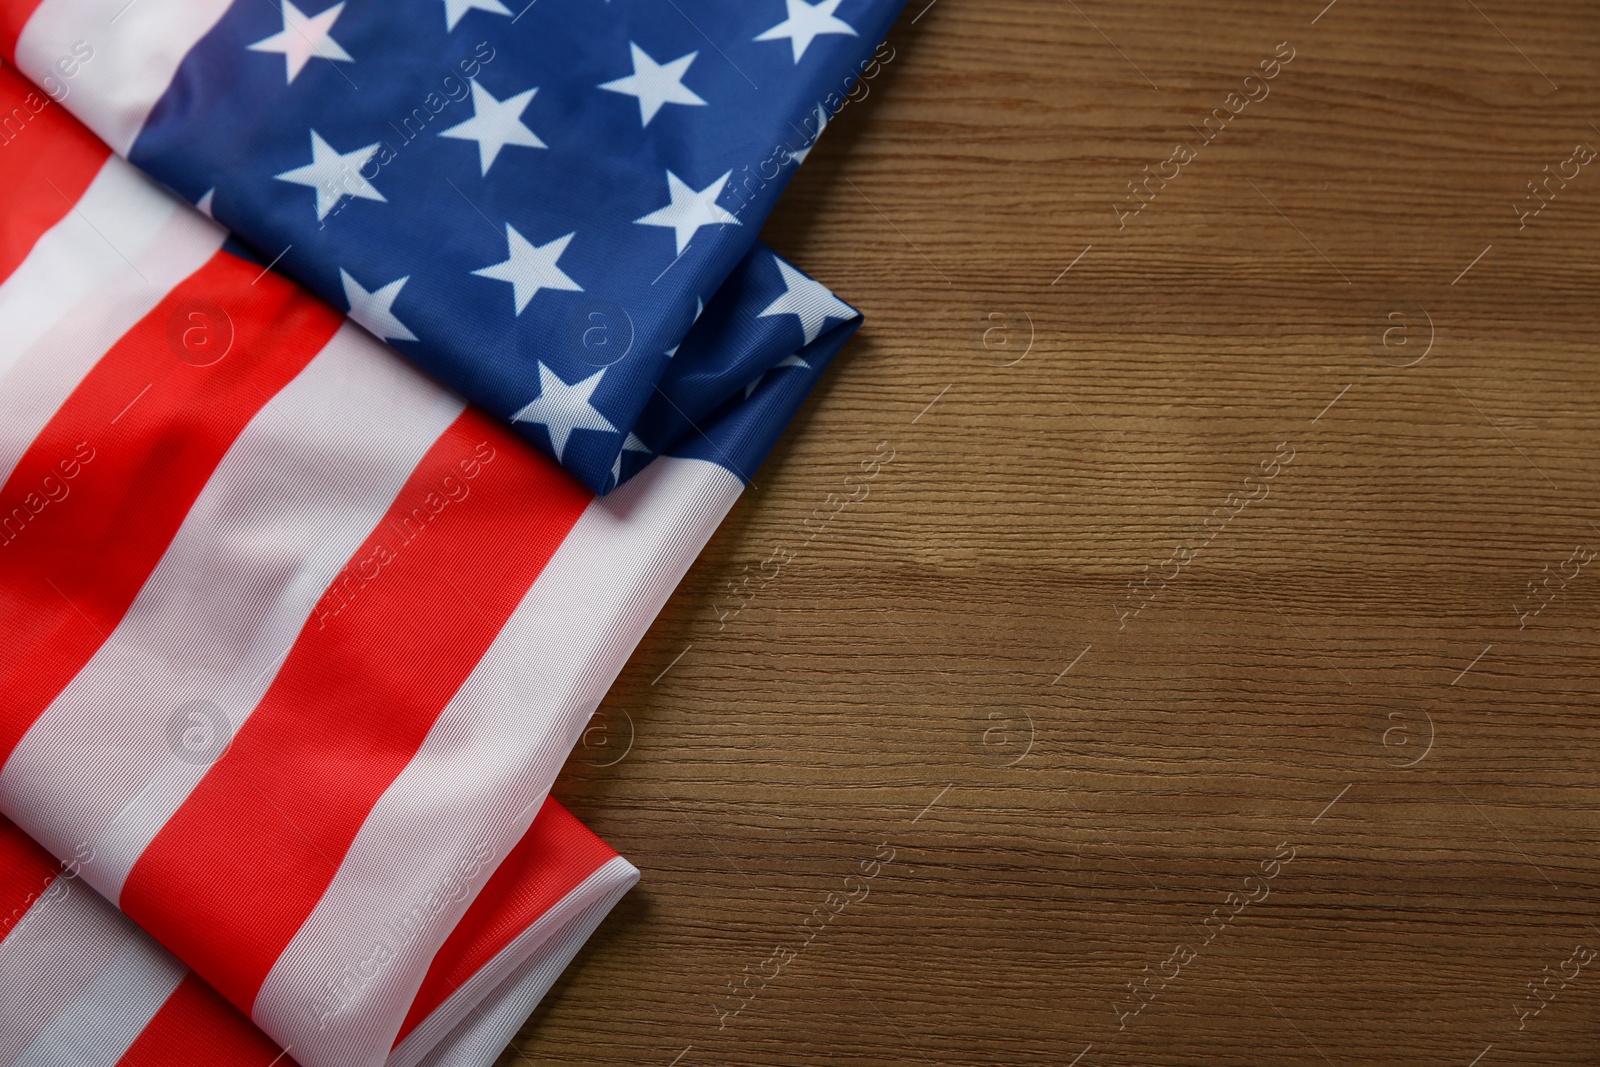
column 562, row 408
column 375, row 309
column 334, row 176
column 454, row 9
column 632, row 444
column 690, row 210
column 656, row 84
column 203, row 205
column 302, row 37
column 529, row 268
column 807, row 22
column 495, row 124
column 809, row 301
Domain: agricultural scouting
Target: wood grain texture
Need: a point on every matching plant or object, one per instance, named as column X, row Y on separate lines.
column 1348, row 665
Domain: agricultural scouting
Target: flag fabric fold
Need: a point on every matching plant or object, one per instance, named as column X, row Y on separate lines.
column 87, row 988
column 549, row 206
column 297, row 640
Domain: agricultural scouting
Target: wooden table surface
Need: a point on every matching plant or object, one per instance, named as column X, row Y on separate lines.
column 1199, row 664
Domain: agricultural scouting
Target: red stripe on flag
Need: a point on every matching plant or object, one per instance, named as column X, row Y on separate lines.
column 14, row 16
column 98, row 496
column 196, row 1026
column 395, row 636
column 553, row 858
column 26, row 872
column 47, row 159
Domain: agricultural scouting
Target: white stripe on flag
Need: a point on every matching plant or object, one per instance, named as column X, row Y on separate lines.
column 88, row 280
column 304, row 485
column 96, row 1029
column 478, row 1020
column 478, row 778
column 50, row 957
column 137, row 47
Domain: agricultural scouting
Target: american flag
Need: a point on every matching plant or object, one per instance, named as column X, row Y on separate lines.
column 549, row 205
column 296, row 639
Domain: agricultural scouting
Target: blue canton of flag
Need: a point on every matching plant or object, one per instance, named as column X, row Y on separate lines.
column 552, row 208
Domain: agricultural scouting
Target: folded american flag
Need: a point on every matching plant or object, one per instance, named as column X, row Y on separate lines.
column 296, row 641
column 551, row 206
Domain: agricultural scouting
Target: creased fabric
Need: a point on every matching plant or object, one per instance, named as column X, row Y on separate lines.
column 85, row 987
column 296, row 639
column 543, row 204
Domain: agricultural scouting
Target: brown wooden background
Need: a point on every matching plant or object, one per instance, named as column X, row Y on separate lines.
column 1341, row 668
